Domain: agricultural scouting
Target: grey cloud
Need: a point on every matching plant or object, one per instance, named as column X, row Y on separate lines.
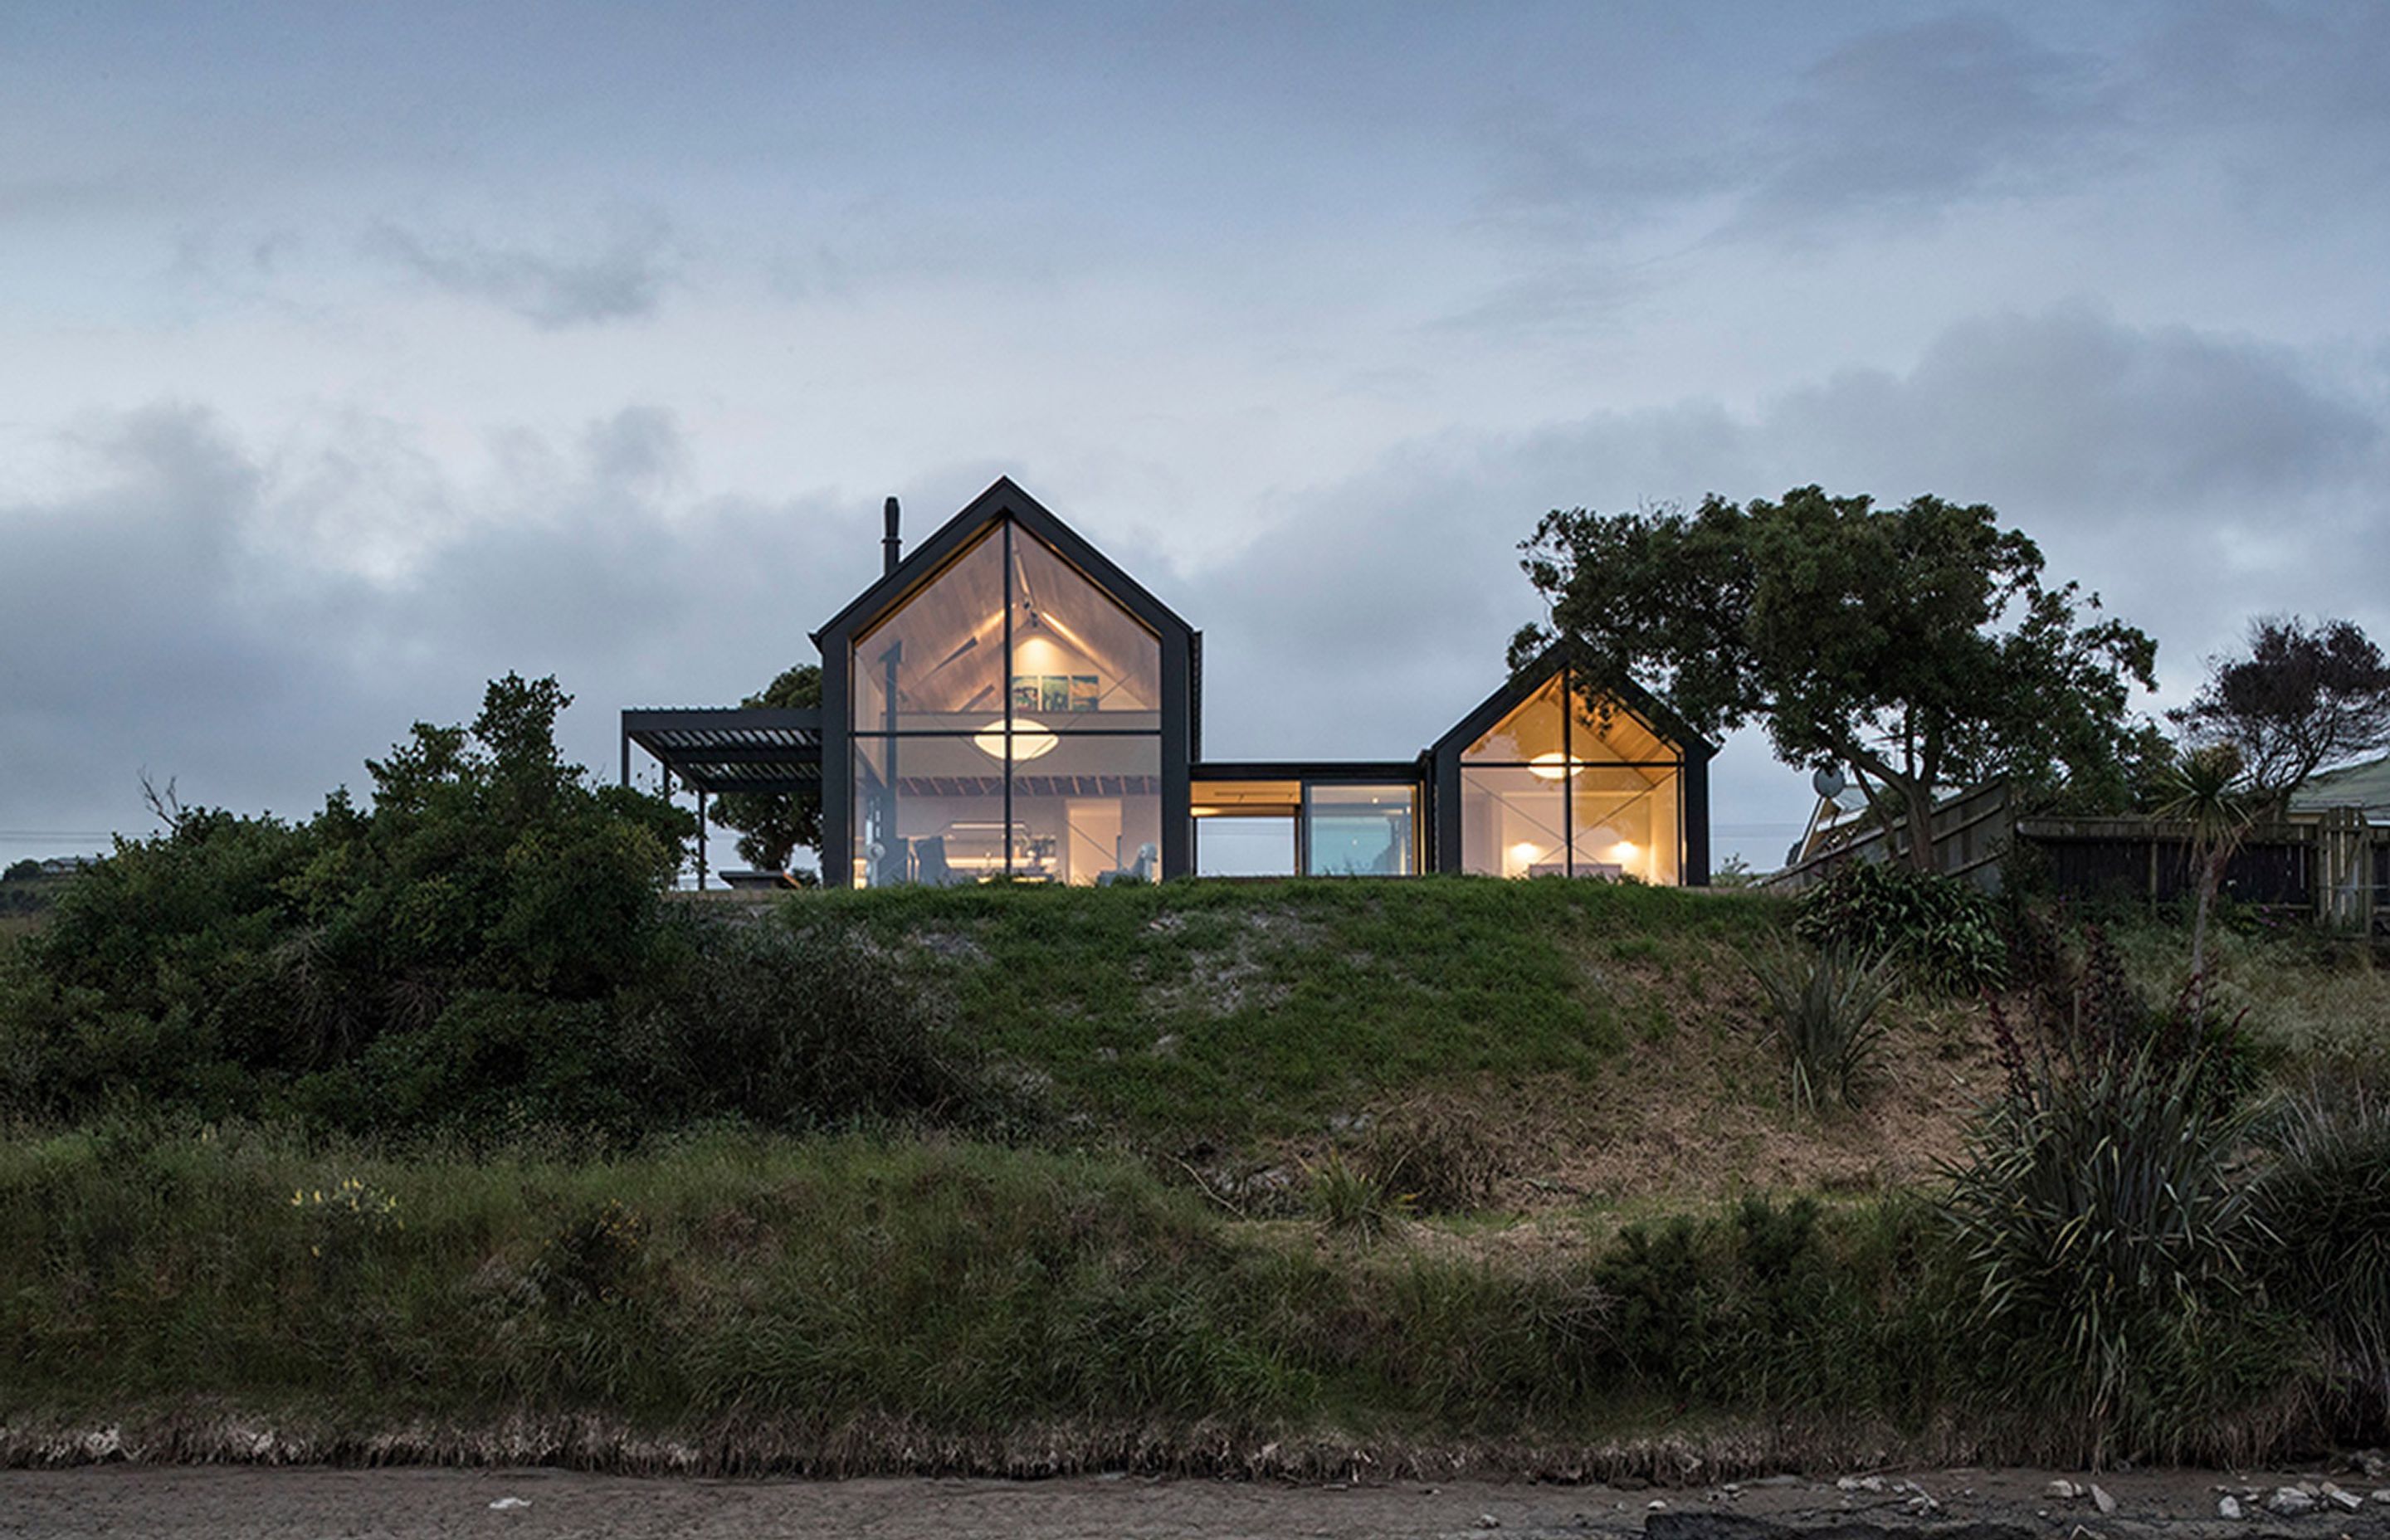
column 1902, row 122
column 2297, row 87
column 1890, row 131
column 2071, row 406
column 623, row 277
column 1895, row 124
column 128, row 640
column 164, row 619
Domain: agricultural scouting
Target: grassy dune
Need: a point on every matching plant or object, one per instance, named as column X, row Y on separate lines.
column 1665, row 1256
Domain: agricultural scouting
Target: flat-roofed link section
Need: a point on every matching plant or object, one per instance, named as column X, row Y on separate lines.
column 721, row 749
column 1246, row 798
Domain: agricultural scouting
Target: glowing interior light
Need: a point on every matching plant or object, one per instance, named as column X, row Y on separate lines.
column 1523, row 853
column 1555, row 765
column 1029, row 739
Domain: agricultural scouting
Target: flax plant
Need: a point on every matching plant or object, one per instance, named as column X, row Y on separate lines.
column 2105, row 1236
column 1823, row 1007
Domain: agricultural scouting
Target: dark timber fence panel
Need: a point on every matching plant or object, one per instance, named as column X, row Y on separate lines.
column 2333, row 866
column 2139, row 858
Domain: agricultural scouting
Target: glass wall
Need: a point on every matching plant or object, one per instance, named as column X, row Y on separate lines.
column 1007, row 721
column 1231, row 844
column 937, row 665
column 1570, row 783
column 1246, row 827
column 1361, row 831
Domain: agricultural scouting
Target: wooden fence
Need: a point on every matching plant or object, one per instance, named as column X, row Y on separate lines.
column 1972, row 830
column 2332, row 865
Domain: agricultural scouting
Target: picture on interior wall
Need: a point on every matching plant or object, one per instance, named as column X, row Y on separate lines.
column 1056, row 693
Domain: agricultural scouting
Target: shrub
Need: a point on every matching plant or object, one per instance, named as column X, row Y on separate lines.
column 1823, row 1005
column 593, row 1258
column 1944, row 930
column 483, row 951
column 345, row 1221
column 792, row 1027
column 1763, row 1306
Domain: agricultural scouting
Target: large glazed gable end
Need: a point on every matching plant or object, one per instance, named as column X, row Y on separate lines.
column 1003, row 499
column 1649, row 710
column 1006, row 703
column 1562, row 771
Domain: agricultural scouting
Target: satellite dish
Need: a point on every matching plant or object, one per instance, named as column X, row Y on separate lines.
column 1827, row 783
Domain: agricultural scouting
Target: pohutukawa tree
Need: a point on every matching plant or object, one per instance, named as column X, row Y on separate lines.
column 2303, row 698
column 1916, row 645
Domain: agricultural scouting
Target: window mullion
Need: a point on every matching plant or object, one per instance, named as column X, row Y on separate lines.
column 1568, row 772
column 1005, row 596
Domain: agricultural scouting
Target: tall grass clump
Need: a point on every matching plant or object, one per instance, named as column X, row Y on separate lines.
column 2108, row 1246
column 1351, row 1200
column 1440, row 1158
column 1823, row 1007
column 2324, row 1203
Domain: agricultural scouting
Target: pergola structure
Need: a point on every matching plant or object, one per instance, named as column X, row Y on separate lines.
column 712, row 750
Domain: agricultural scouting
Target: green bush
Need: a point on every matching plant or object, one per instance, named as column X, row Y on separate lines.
column 483, row 950
column 593, row 1259
column 798, row 1026
column 1784, row 1305
column 1941, row 929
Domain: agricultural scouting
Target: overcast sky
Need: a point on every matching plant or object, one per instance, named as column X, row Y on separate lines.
column 352, row 354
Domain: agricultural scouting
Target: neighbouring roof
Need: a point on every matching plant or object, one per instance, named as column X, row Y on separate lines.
column 2366, row 786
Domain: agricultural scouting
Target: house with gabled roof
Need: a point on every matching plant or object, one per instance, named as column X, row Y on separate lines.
column 1005, row 703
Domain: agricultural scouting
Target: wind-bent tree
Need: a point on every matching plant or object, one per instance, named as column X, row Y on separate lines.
column 771, row 825
column 1918, row 646
column 2303, row 699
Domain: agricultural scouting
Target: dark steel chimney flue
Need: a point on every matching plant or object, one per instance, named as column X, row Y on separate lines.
column 892, row 549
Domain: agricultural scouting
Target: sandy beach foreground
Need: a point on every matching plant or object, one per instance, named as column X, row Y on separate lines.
column 125, row 1500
